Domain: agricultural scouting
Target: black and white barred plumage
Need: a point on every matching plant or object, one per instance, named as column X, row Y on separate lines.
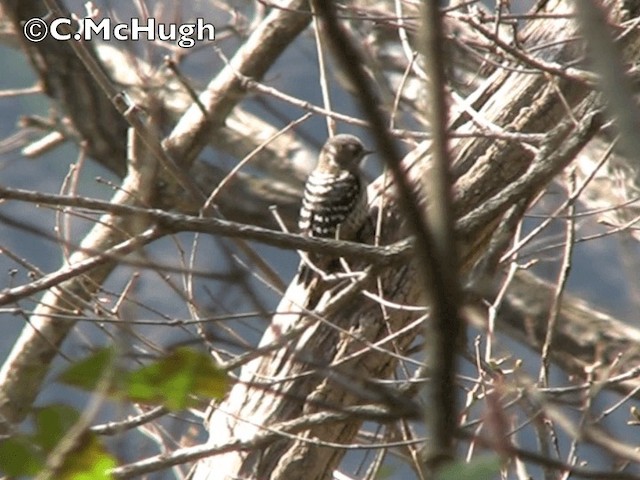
column 334, row 204
column 335, row 195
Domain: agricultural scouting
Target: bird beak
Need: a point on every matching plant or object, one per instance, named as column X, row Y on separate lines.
column 368, row 152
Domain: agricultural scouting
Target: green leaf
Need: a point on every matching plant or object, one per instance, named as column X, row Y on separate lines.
column 88, row 462
column 52, row 422
column 20, row 456
column 87, row 373
column 484, row 467
column 172, row 379
column 27, row 455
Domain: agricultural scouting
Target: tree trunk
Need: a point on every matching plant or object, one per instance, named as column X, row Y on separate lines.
column 337, row 362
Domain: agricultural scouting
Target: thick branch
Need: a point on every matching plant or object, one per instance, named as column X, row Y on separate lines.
column 518, row 100
column 67, row 81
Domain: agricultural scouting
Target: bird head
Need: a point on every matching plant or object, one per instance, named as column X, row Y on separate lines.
column 343, row 152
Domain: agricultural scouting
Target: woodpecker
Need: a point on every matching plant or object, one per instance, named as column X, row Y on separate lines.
column 334, row 204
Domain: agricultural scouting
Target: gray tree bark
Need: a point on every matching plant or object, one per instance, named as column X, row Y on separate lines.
column 333, row 359
column 334, row 364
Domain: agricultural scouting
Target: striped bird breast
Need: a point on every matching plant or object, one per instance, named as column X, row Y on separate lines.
column 332, row 202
